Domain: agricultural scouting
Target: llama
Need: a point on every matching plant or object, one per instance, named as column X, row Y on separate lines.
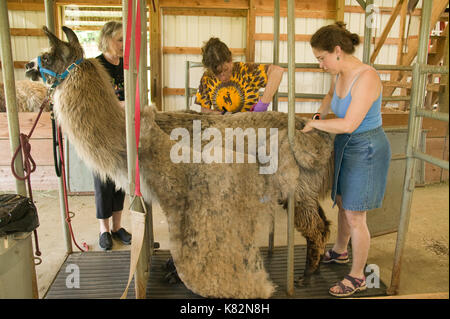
column 213, row 210
column 29, row 96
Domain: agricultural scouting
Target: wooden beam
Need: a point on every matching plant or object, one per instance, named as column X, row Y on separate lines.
column 196, row 50
column 173, row 91
column 437, row 10
column 86, row 27
column 17, row 64
column 213, row 12
column 283, row 37
column 251, row 22
column 307, row 37
column 403, row 13
column 25, row 32
column 90, row 3
column 233, row 4
column 386, row 30
column 383, row 10
column 444, row 95
column 340, row 9
column 26, row 6
column 155, row 54
column 263, row 12
column 438, row 48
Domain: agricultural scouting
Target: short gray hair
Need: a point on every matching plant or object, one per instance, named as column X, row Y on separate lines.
column 108, row 32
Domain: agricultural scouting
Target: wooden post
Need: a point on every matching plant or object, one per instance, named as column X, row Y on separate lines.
column 403, row 11
column 251, row 20
column 443, row 94
column 340, row 9
column 413, row 44
column 386, row 31
column 155, row 54
column 291, row 135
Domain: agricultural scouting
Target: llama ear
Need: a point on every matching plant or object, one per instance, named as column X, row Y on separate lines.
column 54, row 41
column 71, row 36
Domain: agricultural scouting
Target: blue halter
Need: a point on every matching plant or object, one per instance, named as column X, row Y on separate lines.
column 59, row 77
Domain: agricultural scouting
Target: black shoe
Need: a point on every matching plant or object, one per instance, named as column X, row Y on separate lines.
column 105, row 241
column 123, row 236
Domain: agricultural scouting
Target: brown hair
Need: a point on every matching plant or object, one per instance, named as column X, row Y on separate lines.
column 215, row 53
column 330, row 36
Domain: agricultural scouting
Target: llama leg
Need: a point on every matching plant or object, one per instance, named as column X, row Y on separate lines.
column 315, row 228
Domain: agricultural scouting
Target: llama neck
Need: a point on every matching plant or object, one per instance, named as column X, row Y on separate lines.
column 91, row 116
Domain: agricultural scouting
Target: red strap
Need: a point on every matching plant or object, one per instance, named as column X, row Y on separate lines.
column 137, row 109
column 126, row 65
column 66, row 202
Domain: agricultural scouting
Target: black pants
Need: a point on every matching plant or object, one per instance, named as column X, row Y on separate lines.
column 107, row 198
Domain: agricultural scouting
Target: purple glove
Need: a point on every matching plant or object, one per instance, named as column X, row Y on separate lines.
column 260, row 107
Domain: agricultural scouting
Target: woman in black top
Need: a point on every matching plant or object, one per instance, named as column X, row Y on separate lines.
column 109, row 200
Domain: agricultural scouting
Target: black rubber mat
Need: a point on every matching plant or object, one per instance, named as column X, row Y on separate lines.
column 105, row 274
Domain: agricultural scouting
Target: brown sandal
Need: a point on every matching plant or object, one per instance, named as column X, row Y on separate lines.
column 334, row 257
column 346, row 291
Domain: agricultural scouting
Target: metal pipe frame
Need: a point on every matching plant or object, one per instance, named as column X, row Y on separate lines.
column 49, row 15
column 367, row 33
column 430, row 159
column 414, row 131
column 50, row 22
column 276, row 60
column 426, row 68
column 130, row 89
column 433, row 115
column 143, row 265
column 291, row 135
column 187, row 91
column 10, row 95
column 190, row 91
column 276, row 46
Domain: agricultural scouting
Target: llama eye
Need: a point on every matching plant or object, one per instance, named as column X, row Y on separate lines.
column 46, row 59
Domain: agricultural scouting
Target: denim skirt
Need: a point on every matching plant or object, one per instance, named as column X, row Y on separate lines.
column 361, row 163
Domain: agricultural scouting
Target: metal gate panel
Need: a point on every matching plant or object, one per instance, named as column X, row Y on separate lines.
column 385, row 220
column 79, row 176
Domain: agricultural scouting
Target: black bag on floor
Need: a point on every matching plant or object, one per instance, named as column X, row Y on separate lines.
column 17, row 214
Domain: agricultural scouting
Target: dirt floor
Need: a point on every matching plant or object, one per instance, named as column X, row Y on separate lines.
column 425, row 267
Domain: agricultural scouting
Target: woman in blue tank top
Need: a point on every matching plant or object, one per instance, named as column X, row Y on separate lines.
column 361, row 150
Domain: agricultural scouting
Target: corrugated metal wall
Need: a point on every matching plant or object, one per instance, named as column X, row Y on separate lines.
column 192, row 31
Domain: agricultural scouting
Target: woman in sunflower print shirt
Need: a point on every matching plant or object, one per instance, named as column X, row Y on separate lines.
column 228, row 86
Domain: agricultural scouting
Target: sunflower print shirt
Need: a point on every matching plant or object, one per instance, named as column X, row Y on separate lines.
column 238, row 94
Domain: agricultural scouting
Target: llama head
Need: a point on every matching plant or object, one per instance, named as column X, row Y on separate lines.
column 59, row 57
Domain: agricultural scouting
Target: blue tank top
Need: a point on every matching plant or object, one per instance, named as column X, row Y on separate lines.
column 371, row 120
